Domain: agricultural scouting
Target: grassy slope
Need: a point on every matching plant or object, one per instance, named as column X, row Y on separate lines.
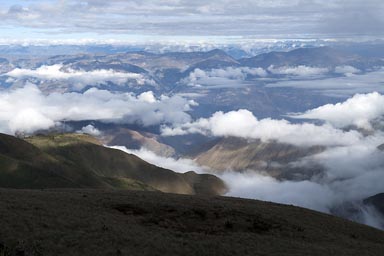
column 92, row 222
column 79, row 161
column 24, row 165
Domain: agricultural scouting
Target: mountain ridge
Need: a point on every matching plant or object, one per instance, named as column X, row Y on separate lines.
column 78, row 161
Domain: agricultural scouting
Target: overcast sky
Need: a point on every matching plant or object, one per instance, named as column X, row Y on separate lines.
column 199, row 19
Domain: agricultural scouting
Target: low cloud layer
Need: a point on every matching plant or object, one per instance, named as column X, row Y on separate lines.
column 351, row 83
column 353, row 164
column 360, row 111
column 244, row 124
column 181, row 165
column 347, row 70
column 91, row 130
column 238, row 76
column 78, row 79
column 27, row 109
column 300, row 70
column 352, row 173
column 222, row 78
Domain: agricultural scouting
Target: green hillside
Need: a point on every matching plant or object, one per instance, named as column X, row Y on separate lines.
column 79, row 161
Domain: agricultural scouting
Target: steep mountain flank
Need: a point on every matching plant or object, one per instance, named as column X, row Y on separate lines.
column 276, row 159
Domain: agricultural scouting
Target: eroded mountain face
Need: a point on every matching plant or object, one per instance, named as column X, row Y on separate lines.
column 281, row 161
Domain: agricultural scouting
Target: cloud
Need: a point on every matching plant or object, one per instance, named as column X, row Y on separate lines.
column 340, row 86
column 325, row 195
column 346, row 70
column 78, row 78
column 27, row 120
column 354, row 18
column 244, row 124
column 222, row 78
column 359, row 110
column 266, row 19
column 303, row 193
column 27, row 109
column 91, row 130
column 147, row 97
column 353, row 164
column 300, row 70
column 352, row 173
column 249, row 184
column 181, row 165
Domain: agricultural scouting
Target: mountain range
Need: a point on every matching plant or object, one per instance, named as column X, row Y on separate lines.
column 76, row 158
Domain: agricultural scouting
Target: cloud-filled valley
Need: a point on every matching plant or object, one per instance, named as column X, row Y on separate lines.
column 360, row 111
column 199, row 100
column 352, row 173
column 79, row 79
column 353, row 164
column 244, row 124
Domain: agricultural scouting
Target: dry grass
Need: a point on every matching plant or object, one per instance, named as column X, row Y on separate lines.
column 101, row 222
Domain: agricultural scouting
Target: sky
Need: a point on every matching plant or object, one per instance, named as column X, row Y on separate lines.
column 145, row 20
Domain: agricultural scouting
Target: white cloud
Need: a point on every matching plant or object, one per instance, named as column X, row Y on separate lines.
column 352, row 173
column 345, row 86
column 222, row 78
column 28, row 109
column 300, row 70
column 244, row 124
column 79, row 78
column 218, row 17
column 29, row 119
column 301, row 193
column 181, row 165
column 359, row 110
column 147, row 97
column 346, row 70
column 91, row 130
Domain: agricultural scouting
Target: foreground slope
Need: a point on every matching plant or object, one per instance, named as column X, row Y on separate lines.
column 105, row 222
column 78, row 161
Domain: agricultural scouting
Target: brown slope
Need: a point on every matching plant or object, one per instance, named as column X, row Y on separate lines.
column 81, row 222
column 274, row 158
column 136, row 140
